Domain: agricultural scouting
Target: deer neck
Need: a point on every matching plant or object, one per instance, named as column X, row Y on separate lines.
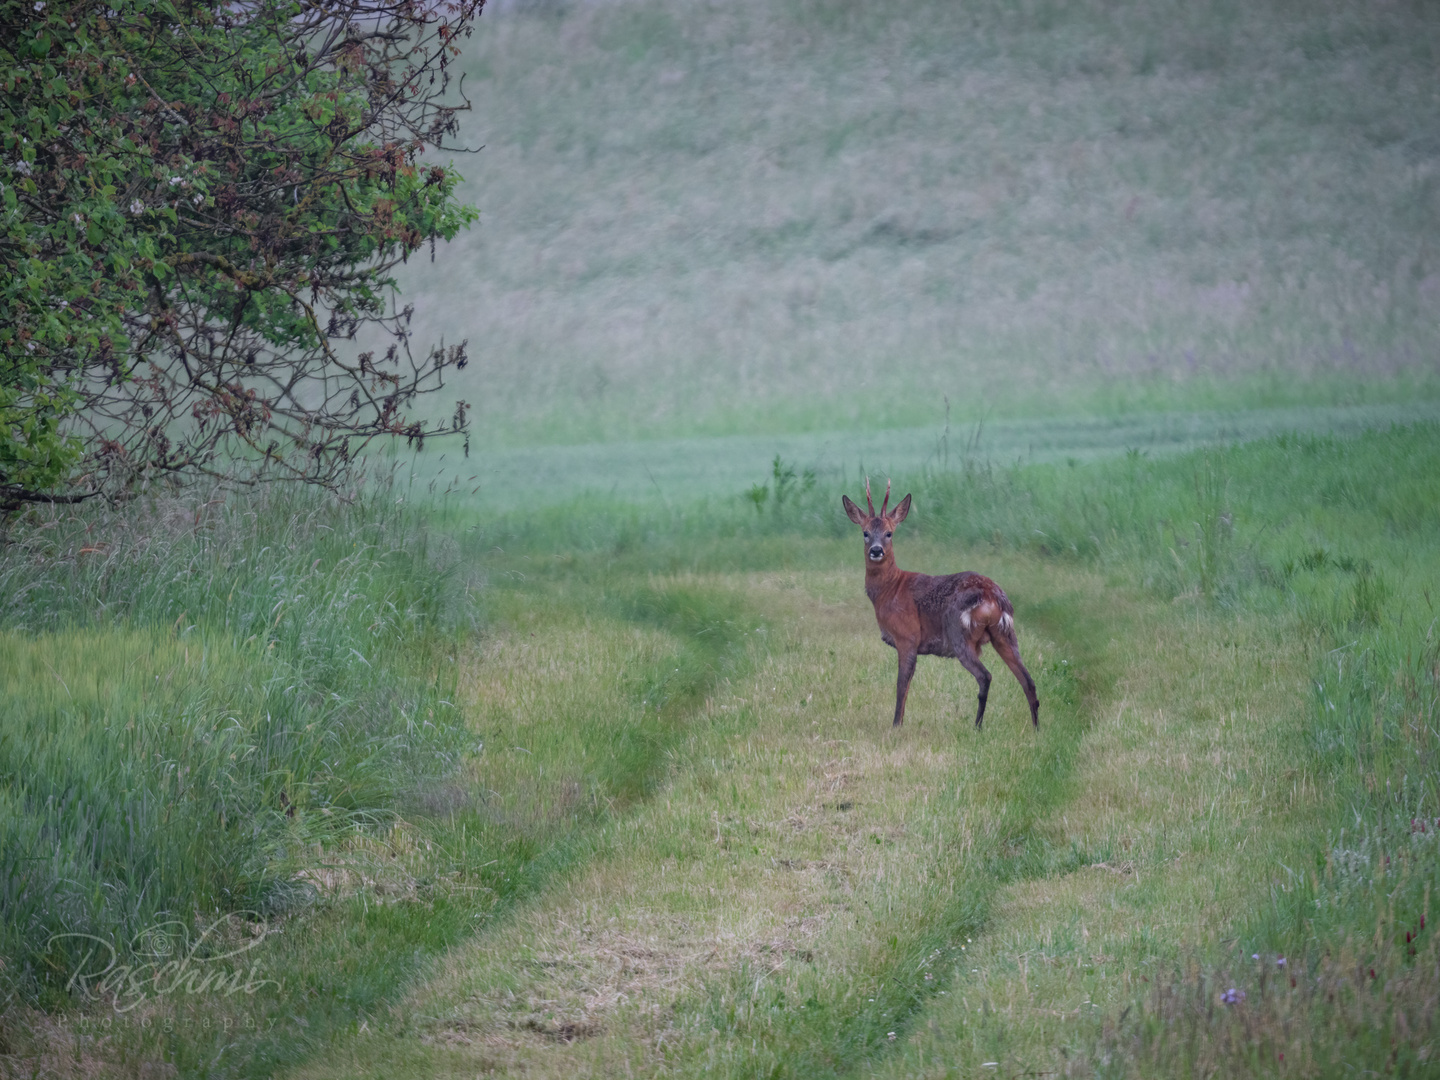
column 882, row 577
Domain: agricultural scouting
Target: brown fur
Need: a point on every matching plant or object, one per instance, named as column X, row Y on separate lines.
column 920, row 615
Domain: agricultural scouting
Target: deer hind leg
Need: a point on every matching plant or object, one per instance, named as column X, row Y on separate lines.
column 970, row 660
column 1002, row 636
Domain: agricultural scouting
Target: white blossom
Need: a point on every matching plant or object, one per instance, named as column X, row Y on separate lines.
column 137, row 207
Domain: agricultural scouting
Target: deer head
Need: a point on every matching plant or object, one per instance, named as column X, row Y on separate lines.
column 878, row 528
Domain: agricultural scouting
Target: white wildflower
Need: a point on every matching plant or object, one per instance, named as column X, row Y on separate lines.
column 23, row 167
column 137, row 206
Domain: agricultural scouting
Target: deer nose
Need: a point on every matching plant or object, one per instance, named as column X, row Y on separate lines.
column 876, row 551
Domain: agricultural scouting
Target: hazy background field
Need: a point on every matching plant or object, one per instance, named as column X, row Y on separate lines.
column 825, row 217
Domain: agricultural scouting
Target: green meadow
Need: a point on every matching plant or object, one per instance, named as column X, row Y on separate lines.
column 572, row 756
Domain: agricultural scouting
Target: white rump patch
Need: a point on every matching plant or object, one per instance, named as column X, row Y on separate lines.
column 1006, row 623
column 965, row 619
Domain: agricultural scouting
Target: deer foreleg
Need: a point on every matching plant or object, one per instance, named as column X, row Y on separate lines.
column 902, row 684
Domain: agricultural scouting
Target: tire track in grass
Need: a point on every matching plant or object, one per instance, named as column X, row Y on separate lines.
column 1079, row 686
column 749, row 880
column 712, row 970
column 849, row 1036
column 712, row 630
column 1187, row 801
column 445, row 874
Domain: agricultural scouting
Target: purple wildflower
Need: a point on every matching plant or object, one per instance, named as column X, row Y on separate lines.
column 1280, row 962
column 1233, row 996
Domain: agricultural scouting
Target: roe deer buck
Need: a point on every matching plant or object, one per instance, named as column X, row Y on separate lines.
column 954, row 615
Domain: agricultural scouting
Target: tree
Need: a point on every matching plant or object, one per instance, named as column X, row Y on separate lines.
column 201, row 206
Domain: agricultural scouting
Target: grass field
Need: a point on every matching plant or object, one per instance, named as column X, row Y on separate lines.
column 671, row 833
column 773, row 217
column 718, row 468
column 573, row 758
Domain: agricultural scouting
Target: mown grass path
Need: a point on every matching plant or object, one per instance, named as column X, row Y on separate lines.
column 806, row 882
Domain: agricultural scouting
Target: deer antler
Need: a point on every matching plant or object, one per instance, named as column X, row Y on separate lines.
column 869, row 501
column 886, row 503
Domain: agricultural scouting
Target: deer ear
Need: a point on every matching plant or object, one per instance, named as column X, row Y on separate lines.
column 899, row 513
column 853, row 512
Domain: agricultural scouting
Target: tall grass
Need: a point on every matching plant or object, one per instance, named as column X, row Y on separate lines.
column 191, row 696
column 1289, row 516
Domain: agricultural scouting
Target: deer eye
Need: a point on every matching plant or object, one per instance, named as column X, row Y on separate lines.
column 888, row 535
